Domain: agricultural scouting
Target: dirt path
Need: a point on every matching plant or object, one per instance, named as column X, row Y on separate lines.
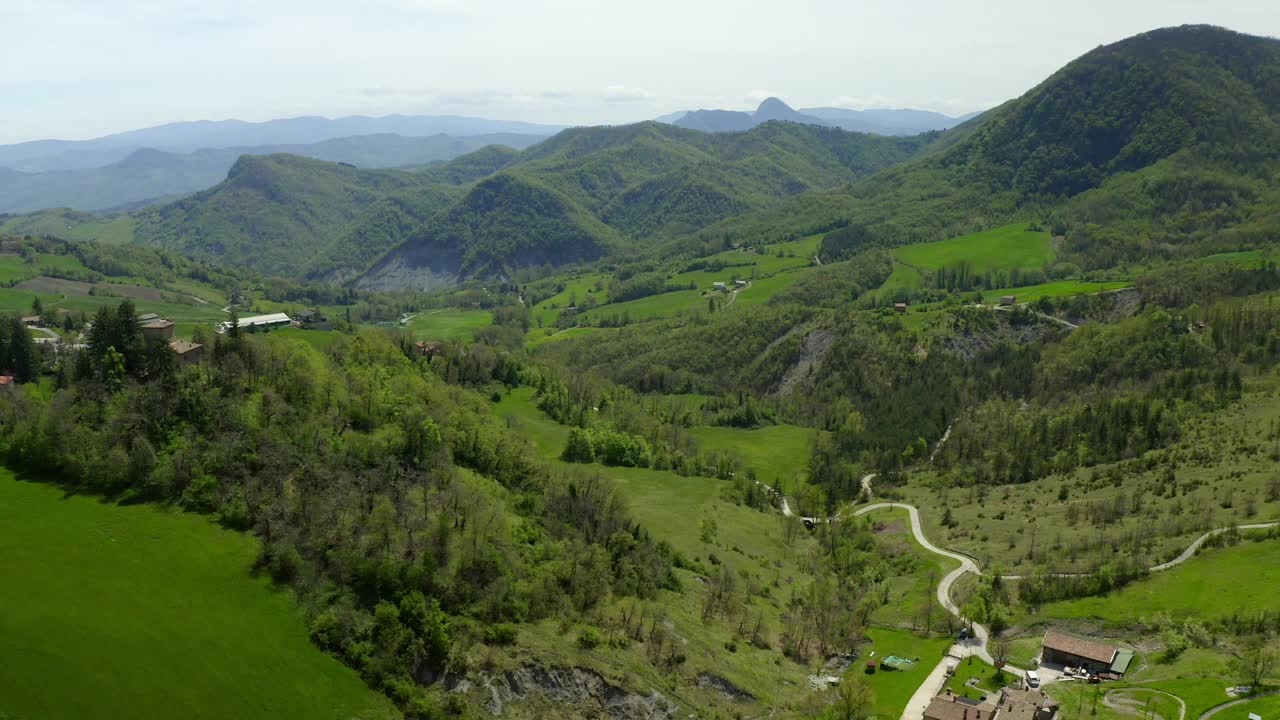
column 734, row 295
column 977, row 644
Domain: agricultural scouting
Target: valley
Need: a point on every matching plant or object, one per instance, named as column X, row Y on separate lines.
column 671, row 419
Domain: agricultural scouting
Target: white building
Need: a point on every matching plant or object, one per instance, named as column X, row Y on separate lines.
column 257, row 321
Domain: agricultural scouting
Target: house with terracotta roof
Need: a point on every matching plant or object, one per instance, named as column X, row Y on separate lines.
column 950, row 706
column 158, row 329
column 1059, row 648
column 1025, row 704
column 189, row 353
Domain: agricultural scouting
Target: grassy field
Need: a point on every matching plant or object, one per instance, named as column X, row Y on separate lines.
column 71, row 226
column 648, row 308
column 1057, row 288
column 449, row 324
column 894, row 688
column 1268, row 708
column 988, row 681
column 1194, row 589
column 576, row 289
column 1008, row 247
column 775, row 452
column 137, row 612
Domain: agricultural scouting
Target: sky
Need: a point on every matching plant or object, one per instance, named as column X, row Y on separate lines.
column 77, row 69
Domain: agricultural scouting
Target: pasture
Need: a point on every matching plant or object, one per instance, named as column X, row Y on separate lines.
column 1193, row 589
column 1057, row 289
column 1002, row 248
column 448, row 324
column 113, row 611
column 775, row 452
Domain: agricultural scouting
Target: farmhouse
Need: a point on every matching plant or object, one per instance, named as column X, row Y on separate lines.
column 159, row 329
column 1094, row 655
column 1025, row 704
column 900, row 307
column 312, row 320
column 950, row 706
column 719, row 286
column 1008, row 300
column 740, row 283
column 258, row 321
column 32, row 321
column 189, row 353
column 429, row 348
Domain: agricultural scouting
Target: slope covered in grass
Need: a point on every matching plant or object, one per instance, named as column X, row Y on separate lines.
column 135, row 612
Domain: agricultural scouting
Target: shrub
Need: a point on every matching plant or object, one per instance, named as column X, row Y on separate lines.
column 589, row 639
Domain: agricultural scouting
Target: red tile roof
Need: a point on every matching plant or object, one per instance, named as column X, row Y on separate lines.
column 1080, row 647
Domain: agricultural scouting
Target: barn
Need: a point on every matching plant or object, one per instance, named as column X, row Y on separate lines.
column 1059, row 648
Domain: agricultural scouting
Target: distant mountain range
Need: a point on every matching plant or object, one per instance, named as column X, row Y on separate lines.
column 880, row 122
column 148, row 174
column 186, row 137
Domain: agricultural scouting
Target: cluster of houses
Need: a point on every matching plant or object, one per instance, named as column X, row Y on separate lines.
column 725, row 287
column 1072, row 656
column 155, row 327
column 1008, row 704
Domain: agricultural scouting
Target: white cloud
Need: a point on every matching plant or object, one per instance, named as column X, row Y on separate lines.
column 90, row 67
column 624, row 94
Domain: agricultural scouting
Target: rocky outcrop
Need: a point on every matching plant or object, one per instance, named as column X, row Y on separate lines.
column 577, row 686
column 711, row 681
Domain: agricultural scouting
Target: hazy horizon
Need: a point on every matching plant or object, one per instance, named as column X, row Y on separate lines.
column 100, row 68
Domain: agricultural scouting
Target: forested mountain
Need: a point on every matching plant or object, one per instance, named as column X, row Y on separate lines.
column 287, row 215
column 147, row 174
column 186, row 137
column 1159, row 137
column 577, row 195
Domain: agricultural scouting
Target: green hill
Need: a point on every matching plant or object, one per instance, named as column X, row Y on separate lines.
column 288, row 215
column 1134, row 148
column 504, row 221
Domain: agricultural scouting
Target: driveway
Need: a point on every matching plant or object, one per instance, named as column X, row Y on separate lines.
column 929, row 689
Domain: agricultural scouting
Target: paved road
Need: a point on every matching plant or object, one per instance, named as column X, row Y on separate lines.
column 919, row 701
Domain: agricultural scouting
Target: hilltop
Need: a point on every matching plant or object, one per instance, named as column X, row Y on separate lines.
column 1099, row 142
column 584, row 192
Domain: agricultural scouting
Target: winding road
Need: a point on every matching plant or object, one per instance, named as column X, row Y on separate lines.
column 977, row 644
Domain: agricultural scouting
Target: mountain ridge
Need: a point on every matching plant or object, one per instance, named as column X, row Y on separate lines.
column 146, row 174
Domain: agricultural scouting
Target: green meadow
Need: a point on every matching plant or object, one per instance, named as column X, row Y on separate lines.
column 894, row 688
column 1193, row 589
column 72, row 226
column 448, row 324
column 111, row 611
column 1057, row 288
column 775, row 452
column 1011, row 246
